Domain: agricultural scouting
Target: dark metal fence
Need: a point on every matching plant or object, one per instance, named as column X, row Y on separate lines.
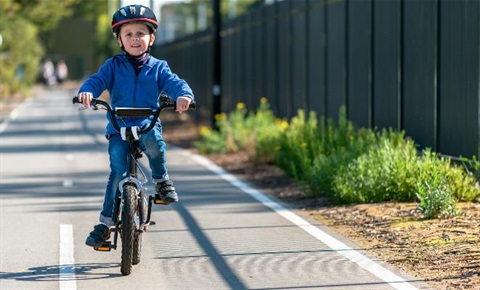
column 411, row 65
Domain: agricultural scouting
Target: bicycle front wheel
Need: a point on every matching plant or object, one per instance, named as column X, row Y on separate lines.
column 128, row 227
column 137, row 243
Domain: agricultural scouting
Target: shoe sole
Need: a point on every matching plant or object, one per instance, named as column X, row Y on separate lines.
column 93, row 245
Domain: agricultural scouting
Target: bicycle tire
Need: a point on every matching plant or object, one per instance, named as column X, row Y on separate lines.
column 137, row 248
column 128, row 227
column 137, row 242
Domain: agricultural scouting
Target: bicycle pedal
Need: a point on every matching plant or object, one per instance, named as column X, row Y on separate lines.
column 159, row 201
column 105, row 247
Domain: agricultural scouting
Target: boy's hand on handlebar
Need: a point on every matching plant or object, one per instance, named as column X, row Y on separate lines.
column 85, row 99
column 182, row 104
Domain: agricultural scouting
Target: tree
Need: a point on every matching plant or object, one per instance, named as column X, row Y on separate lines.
column 21, row 50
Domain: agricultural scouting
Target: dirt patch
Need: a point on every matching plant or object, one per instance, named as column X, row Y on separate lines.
column 444, row 253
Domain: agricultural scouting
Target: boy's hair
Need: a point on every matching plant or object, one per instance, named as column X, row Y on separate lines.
column 134, row 13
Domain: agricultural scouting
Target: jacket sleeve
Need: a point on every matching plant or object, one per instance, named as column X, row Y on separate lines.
column 99, row 81
column 172, row 85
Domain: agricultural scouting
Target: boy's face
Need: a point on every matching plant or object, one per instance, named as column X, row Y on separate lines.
column 135, row 38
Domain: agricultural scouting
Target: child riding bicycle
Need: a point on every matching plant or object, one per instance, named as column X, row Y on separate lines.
column 134, row 79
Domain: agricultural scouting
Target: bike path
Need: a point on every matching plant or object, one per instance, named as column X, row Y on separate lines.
column 223, row 234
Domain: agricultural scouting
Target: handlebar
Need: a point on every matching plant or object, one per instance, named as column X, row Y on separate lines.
column 164, row 101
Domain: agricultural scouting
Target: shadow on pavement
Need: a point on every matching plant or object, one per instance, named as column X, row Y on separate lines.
column 90, row 271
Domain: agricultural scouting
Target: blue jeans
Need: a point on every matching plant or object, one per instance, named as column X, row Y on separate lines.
column 153, row 145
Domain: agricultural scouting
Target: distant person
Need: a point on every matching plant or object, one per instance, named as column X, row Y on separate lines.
column 48, row 73
column 134, row 79
column 61, row 72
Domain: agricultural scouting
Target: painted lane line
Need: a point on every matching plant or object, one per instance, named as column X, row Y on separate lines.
column 66, row 267
column 366, row 263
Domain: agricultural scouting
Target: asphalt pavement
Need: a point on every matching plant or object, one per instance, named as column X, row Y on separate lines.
column 223, row 234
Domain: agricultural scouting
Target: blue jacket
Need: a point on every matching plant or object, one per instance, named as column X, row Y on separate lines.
column 127, row 89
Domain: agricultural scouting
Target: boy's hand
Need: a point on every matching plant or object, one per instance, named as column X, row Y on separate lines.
column 182, row 104
column 86, row 99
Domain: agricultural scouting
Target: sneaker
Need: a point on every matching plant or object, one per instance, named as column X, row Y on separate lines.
column 166, row 191
column 98, row 236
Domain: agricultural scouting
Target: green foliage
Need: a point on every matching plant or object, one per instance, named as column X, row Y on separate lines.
column 472, row 166
column 211, row 142
column 436, row 202
column 459, row 183
column 254, row 131
column 346, row 164
column 345, row 145
column 384, row 172
column 297, row 147
column 44, row 14
column 267, row 130
column 313, row 151
column 20, row 53
column 21, row 50
column 433, row 190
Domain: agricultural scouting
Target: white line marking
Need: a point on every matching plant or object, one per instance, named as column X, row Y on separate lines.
column 376, row 269
column 67, row 262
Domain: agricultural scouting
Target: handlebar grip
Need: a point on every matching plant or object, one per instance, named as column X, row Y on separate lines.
column 193, row 105
column 75, row 100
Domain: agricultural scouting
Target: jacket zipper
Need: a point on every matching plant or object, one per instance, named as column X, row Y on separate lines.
column 135, row 91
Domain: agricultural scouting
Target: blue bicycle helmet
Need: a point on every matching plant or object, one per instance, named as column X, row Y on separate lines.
column 134, row 13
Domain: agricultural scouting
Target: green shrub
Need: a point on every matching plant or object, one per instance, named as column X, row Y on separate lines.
column 435, row 201
column 211, row 141
column 341, row 162
column 459, row 183
column 232, row 133
column 386, row 172
column 256, row 132
column 297, row 146
column 435, row 198
column 268, row 130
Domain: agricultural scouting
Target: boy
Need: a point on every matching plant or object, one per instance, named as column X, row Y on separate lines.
column 134, row 79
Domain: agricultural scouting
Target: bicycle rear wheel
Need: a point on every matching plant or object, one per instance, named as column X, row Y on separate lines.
column 128, row 227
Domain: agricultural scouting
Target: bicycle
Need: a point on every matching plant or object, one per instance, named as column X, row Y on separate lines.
column 132, row 209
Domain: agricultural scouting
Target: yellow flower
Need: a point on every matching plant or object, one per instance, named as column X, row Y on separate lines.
column 240, row 106
column 205, row 131
column 263, row 100
column 282, row 123
column 220, row 116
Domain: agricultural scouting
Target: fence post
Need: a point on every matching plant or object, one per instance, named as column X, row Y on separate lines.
column 217, row 65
